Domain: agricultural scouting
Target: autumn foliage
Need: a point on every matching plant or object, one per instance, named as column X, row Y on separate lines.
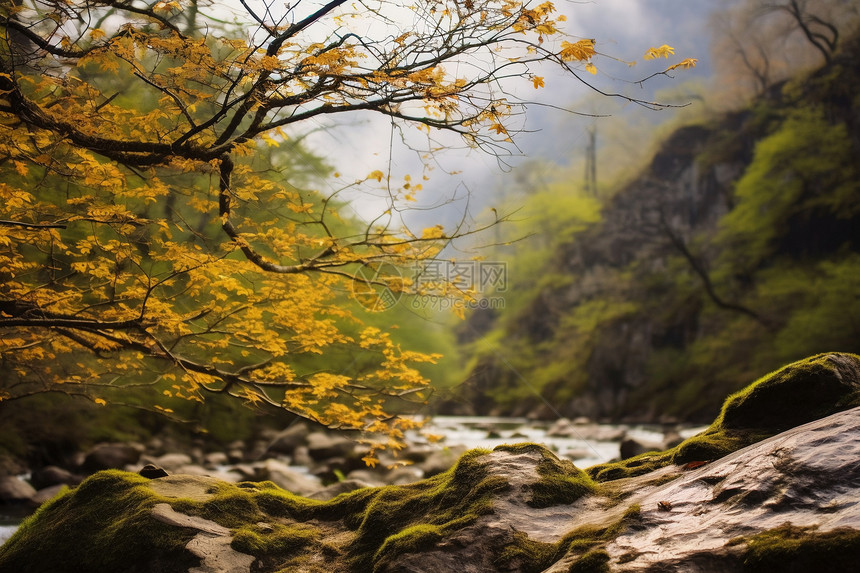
column 155, row 226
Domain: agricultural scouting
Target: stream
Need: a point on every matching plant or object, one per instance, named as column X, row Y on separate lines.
column 585, row 444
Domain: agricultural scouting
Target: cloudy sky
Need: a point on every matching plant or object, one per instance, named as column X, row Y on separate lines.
column 625, row 29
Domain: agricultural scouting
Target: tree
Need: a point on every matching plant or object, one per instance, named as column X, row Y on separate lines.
column 142, row 241
column 760, row 42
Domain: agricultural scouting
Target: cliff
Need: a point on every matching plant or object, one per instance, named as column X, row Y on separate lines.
column 734, row 251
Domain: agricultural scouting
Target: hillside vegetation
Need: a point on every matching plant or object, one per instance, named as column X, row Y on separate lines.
column 735, row 251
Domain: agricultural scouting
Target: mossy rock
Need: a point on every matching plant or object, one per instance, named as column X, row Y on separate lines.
column 104, row 524
column 561, row 482
column 801, row 392
column 107, row 523
column 795, row 394
column 788, row 548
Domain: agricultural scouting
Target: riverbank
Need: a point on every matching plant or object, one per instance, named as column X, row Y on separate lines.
column 318, row 463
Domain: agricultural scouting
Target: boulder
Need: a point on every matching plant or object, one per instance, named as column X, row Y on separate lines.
column 214, row 459
column 322, row 446
column 172, row 462
column 15, row 490
column 53, row 475
column 798, row 393
column 440, row 460
column 630, row 447
column 46, row 494
column 788, row 499
column 287, row 478
column 111, row 456
column 761, row 502
column 288, row 439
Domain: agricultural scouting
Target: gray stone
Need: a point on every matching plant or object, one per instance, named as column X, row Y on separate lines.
column 289, row 479
column 217, row 556
column 111, row 456
column 287, row 440
column 211, row 545
column 806, row 476
column 173, row 461
column 164, row 513
column 322, row 446
column 47, row 493
column 213, row 459
column 15, row 490
column 53, row 475
column 630, row 447
column 440, row 460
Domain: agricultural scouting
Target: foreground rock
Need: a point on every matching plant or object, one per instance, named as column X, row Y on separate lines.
column 788, row 502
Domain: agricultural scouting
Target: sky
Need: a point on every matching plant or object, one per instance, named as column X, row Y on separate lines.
column 625, row 29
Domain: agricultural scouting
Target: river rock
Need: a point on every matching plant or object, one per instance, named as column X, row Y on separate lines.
column 323, row 446
column 517, row 508
column 440, row 460
column 53, row 475
column 808, row 477
column 630, row 447
column 173, row 461
column 287, row 478
column 15, row 490
column 795, row 394
column 111, row 456
column 214, row 459
column 788, row 502
column 287, row 440
column 564, row 428
column 46, row 494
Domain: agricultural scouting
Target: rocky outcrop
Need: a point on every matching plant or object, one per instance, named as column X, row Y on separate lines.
column 747, row 494
column 517, row 508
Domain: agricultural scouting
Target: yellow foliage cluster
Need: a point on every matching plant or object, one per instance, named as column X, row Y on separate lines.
column 150, row 230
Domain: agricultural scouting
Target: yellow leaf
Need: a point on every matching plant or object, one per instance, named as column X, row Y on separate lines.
column 435, row 232
column 498, row 128
column 378, row 175
column 538, row 82
column 100, row 402
column 684, row 64
column 580, row 51
column 591, row 68
column 662, row 52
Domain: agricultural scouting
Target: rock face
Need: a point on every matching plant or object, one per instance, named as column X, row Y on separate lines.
column 808, row 477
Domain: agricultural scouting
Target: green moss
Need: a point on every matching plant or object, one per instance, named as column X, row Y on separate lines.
column 561, row 481
column 102, row 525
column 264, row 540
column 411, row 540
column 587, row 543
column 793, row 395
column 441, row 504
column 801, row 549
column 594, row 561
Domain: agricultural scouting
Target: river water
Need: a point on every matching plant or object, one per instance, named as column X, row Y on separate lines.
column 9, row 522
column 584, row 444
